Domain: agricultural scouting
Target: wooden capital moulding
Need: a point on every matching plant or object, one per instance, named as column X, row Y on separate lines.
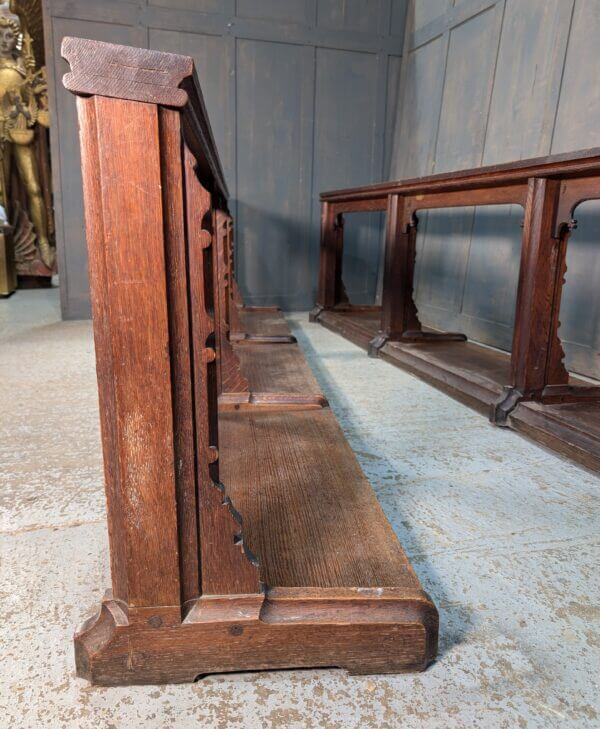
column 316, row 576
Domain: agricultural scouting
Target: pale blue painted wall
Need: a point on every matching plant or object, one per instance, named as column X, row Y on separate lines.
column 486, row 82
column 301, row 95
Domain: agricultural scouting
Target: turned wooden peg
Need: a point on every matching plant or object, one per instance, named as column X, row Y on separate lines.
column 208, row 355
column 204, row 238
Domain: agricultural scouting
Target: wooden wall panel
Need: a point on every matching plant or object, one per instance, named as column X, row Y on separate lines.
column 484, row 82
column 66, row 162
column 446, row 235
column 274, row 140
column 577, row 119
column 364, row 15
column 287, row 83
column 466, row 93
column 427, row 11
column 578, row 112
column 527, row 81
column 203, row 6
column 215, row 64
column 423, row 69
column 293, row 11
column 346, row 109
column 398, row 20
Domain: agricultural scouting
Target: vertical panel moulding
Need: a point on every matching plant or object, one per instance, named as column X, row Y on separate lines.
column 137, row 319
column 90, row 163
column 180, row 350
column 235, row 325
column 229, row 374
column 225, row 567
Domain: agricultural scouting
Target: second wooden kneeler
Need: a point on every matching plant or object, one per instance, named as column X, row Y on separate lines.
column 316, row 577
column 255, row 369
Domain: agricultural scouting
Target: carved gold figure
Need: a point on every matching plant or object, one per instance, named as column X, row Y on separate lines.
column 23, row 104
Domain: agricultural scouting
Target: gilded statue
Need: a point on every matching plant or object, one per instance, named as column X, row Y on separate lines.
column 23, row 106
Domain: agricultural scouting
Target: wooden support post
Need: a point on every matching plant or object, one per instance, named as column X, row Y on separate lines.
column 537, row 356
column 124, row 219
column 331, row 288
column 399, row 316
column 225, row 568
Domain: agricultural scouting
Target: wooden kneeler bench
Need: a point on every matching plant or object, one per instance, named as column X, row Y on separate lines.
column 329, row 584
column 259, row 364
column 528, row 389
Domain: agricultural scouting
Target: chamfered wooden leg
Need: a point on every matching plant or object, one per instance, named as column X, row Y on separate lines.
column 537, row 355
column 331, row 288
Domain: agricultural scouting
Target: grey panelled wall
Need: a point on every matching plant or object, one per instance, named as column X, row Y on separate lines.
column 485, row 82
column 301, row 95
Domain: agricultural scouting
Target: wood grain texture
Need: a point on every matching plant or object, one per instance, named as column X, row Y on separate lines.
column 315, row 518
column 123, row 72
column 226, row 568
column 263, row 322
column 573, row 429
column 549, row 189
column 536, row 354
column 231, row 378
column 124, row 210
column 359, row 327
column 572, row 164
column 188, row 597
column 477, row 376
column 176, row 259
column 398, row 309
column 363, row 631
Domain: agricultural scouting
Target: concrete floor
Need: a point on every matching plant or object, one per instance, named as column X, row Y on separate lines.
column 502, row 535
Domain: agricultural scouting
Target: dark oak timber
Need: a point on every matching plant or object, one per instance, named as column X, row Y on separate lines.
column 314, row 575
column 549, row 189
column 239, row 329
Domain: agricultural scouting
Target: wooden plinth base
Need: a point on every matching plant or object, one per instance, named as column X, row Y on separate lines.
column 477, row 376
column 245, row 338
column 363, row 631
column 263, row 322
column 360, row 327
column 572, row 429
column 341, row 591
column 270, row 401
column 413, row 337
column 278, row 378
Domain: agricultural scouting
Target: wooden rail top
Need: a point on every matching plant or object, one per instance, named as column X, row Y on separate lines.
column 154, row 77
column 572, row 164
